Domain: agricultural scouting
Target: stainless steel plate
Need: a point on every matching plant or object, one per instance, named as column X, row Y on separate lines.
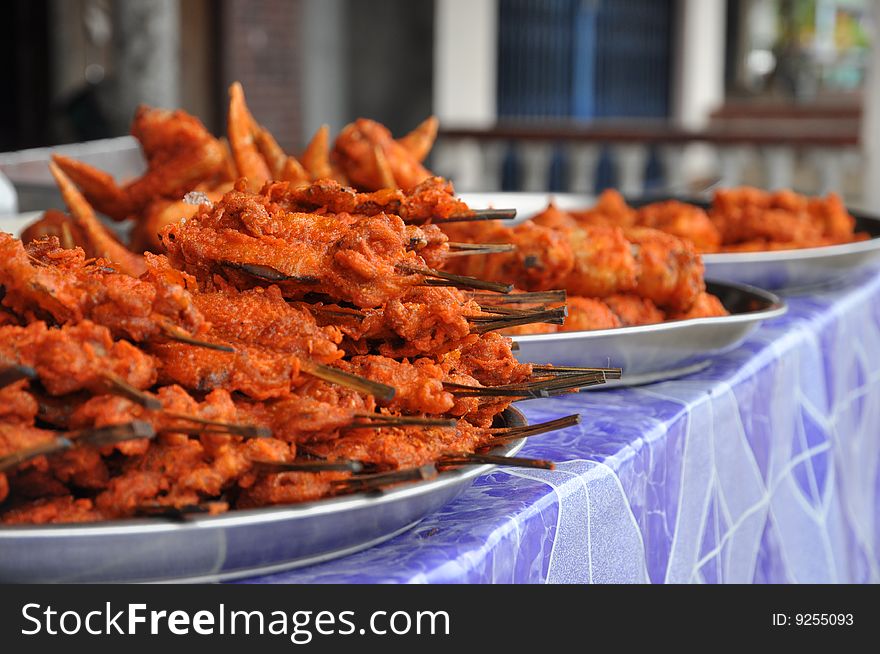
column 790, row 270
column 236, row 544
column 650, row 353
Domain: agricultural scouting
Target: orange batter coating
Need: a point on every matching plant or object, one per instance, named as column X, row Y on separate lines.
column 433, row 198
column 263, row 318
column 751, row 219
column 604, row 262
column 53, row 510
column 402, row 447
column 180, row 155
column 586, row 313
column 670, row 270
column 47, row 281
column 683, row 220
column 544, row 258
column 424, row 321
column 371, row 158
column 705, row 306
column 54, row 223
column 631, row 309
column 76, row 357
column 364, row 261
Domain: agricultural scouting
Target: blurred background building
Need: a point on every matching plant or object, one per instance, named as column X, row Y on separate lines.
column 645, row 95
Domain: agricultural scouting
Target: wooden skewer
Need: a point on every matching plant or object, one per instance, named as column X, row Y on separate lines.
column 216, row 426
column 460, row 280
column 468, row 249
column 119, row 386
column 267, row 273
column 551, row 316
column 610, row 373
column 378, row 480
column 477, row 214
column 99, row 436
column 505, row 434
column 378, row 420
column 500, row 310
column 537, row 297
column 381, row 392
column 176, row 334
column 13, row 373
column 50, row 447
column 308, row 466
column 468, row 458
column 535, row 389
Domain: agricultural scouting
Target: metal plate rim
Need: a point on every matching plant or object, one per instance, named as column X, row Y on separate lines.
column 777, row 307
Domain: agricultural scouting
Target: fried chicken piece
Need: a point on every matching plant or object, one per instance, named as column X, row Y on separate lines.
column 76, row 357
column 371, row 158
column 604, row 263
column 419, row 384
column 421, row 139
column 289, row 488
column 490, row 360
column 54, row 223
column 705, row 306
column 555, row 218
column 402, row 447
column 248, row 240
column 97, row 239
column 17, row 404
column 585, row 313
column 258, row 372
column 180, row 155
column 633, row 310
column 316, row 409
column 610, row 210
column 670, row 270
column 747, row 214
column 432, row 199
column 544, row 258
column 52, row 510
column 263, row 318
column 48, row 281
column 160, row 213
column 683, row 220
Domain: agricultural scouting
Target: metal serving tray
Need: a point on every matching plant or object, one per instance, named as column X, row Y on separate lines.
column 232, row 545
column 790, row 270
column 650, row 353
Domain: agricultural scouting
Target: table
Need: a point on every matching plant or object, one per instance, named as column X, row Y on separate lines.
column 761, row 468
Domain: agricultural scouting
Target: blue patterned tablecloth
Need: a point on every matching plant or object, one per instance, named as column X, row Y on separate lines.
column 762, row 468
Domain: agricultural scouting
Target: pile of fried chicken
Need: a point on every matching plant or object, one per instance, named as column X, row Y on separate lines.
column 293, row 339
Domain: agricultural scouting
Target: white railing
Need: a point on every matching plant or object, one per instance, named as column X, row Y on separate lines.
column 808, row 162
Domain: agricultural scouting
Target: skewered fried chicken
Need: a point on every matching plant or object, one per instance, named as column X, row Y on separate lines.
column 248, row 240
column 76, row 357
column 261, row 341
column 432, row 199
column 402, row 447
column 424, row 321
column 543, row 259
column 47, row 281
